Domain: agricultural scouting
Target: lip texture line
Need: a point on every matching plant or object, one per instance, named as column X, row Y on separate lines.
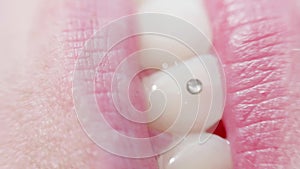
column 85, row 18
column 254, row 40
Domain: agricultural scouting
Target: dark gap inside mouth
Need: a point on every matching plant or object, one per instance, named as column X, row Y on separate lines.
column 218, row 129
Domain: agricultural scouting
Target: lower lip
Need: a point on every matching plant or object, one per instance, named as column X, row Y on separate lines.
column 255, row 41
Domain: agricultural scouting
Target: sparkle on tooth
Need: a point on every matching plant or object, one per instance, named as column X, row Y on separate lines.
column 192, row 93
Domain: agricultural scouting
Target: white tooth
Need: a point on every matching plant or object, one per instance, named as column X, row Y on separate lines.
column 177, row 109
column 192, row 11
column 212, row 154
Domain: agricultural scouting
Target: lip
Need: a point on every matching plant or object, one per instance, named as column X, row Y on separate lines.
column 255, row 42
column 92, row 17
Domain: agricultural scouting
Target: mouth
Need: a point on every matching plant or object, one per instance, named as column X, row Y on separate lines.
column 255, row 42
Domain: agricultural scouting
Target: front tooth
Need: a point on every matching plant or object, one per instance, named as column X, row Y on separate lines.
column 214, row 153
column 173, row 107
column 193, row 12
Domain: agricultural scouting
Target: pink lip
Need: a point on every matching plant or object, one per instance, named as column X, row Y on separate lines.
column 86, row 18
column 255, row 40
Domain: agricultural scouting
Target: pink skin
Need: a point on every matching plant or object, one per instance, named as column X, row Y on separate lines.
column 257, row 42
column 39, row 128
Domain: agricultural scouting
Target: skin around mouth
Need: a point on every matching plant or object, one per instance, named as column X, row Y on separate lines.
column 256, row 42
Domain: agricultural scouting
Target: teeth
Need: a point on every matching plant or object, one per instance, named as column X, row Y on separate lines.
column 212, row 154
column 174, row 107
column 193, row 12
column 187, row 94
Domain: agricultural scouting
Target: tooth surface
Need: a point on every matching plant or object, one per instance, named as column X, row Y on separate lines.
column 211, row 154
column 183, row 110
column 193, row 12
